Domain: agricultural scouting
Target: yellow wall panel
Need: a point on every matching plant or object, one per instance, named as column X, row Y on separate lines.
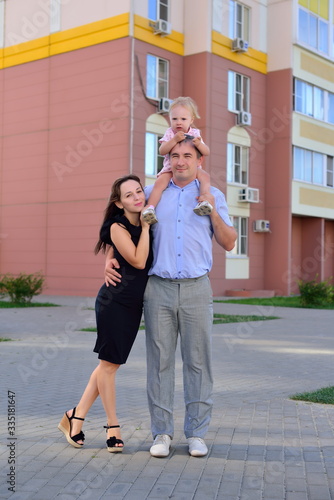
column 144, row 32
column 316, row 67
column 316, row 198
column 304, row 3
column 317, row 133
column 253, row 59
column 313, row 6
column 65, row 41
column 324, row 9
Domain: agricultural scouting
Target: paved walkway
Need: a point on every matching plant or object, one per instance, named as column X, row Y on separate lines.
column 262, row 445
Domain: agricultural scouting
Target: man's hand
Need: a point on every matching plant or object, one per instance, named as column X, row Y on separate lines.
column 111, row 275
column 207, row 197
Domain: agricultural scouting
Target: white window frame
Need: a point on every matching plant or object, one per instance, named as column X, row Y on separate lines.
column 238, row 92
column 306, row 101
column 241, row 245
column 312, row 38
column 55, row 16
column 237, row 171
column 159, row 87
column 158, row 9
column 2, row 23
column 307, row 161
column 330, row 172
column 239, row 20
column 153, row 160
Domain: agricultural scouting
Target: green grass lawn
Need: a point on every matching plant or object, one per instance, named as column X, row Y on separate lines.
column 293, row 301
column 8, row 305
column 217, row 319
column 324, row 396
column 238, row 318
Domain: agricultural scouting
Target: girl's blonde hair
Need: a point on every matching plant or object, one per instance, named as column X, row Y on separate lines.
column 186, row 102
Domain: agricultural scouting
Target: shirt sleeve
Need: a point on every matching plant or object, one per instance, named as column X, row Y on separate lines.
column 168, row 135
column 195, row 132
column 221, row 206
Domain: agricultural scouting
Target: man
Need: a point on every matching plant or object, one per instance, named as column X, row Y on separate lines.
column 178, row 300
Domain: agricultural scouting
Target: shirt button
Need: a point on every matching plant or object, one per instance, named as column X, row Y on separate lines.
column 179, row 220
column 179, row 255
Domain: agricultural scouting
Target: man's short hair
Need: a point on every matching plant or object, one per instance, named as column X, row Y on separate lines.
column 188, row 139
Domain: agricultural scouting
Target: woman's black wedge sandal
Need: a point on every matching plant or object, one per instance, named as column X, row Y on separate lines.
column 65, row 426
column 111, row 442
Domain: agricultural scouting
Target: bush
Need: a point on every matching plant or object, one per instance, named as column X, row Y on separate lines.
column 315, row 292
column 23, row 288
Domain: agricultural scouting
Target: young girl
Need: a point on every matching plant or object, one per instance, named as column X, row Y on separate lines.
column 182, row 114
column 118, row 309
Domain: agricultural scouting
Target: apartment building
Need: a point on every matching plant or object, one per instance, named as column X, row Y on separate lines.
column 85, row 91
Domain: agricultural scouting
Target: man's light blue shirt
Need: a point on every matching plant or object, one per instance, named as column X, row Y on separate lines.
column 182, row 240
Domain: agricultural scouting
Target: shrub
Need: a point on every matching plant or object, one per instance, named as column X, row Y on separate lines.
column 315, row 292
column 22, row 288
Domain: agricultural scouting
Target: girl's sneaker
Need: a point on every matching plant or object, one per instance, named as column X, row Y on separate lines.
column 149, row 216
column 203, row 208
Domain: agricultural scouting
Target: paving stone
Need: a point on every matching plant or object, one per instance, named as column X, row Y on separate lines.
column 262, row 446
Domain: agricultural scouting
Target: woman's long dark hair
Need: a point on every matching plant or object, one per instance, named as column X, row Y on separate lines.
column 112, row 209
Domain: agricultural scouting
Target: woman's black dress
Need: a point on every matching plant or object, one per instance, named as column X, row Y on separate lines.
column 119, row 308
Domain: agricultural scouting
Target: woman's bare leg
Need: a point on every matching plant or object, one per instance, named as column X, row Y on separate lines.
column 106, row 375
column 87, row 399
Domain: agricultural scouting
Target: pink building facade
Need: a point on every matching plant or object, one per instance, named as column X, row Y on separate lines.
column 75, row 114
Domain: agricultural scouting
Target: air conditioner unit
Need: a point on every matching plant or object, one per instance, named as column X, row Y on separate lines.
column 239, row 45
column 261, row 226
column 244, row 119
column 164, row 105
column 249, row 195
column 162, row 27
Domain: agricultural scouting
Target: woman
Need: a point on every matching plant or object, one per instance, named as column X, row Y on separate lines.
column 118, row 309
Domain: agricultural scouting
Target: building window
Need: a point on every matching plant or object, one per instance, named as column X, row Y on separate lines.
column 313, row 27
column 240, row 224
column 237, row 164
column 330, row 107
column 156, row 77
column 238, row 20
column 238, row 92
column 313, row 101
column 153, row 161
column 2, row 23
column 310, row 166
column 158, row 9
column 330, row 172
column 55, row 16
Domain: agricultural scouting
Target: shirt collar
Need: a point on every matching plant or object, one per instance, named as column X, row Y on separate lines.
column 192, row 183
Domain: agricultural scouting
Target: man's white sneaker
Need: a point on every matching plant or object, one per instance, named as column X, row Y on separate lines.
column 197, row 447
column 161, row 446
column 203, row 208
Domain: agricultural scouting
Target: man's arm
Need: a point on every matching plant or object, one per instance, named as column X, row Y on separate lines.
column 111, row 276
column 224, row 235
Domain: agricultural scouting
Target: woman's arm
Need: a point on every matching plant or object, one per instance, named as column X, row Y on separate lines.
column 136, row 256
